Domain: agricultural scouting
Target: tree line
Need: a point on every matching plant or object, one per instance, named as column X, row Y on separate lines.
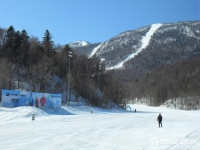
column 30, row 64
column 174, row 81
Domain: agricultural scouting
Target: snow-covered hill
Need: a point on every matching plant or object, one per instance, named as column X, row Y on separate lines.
column 147, row 48
column 78, row 44
column 76, row 127
column 144, row 43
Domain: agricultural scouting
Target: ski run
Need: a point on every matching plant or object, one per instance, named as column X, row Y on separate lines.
column 144, row 43
column 91, row 128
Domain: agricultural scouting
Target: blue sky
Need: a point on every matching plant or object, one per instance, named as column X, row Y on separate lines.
column 92, row 20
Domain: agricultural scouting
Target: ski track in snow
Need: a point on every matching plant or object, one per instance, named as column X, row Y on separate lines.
column 94, row 50
column 104, row 129
column 145, row 41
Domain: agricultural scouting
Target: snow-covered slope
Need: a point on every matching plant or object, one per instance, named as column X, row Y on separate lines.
column 147, row 48
column 120, row 42
column 145, row 41
column 94, row 50
column 78, row 44
column 76, row 127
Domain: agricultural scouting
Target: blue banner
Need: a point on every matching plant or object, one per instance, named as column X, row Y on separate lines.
column 12, row 98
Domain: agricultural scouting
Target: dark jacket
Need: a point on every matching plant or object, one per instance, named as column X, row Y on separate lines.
column 159, row 118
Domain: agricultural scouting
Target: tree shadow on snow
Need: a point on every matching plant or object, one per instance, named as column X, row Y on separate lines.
column 144, row 112
column 57, row 111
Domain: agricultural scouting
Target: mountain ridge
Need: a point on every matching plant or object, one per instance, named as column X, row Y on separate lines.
column 171, row 42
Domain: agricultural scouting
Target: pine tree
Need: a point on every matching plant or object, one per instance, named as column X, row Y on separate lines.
column 2, row 37
column 47, row 43
column 17, row 45
column 25, row 47
column 9, row 43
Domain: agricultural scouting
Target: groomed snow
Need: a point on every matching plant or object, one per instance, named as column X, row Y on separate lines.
column 94, row 50
column 75, row 128
column 145, row 41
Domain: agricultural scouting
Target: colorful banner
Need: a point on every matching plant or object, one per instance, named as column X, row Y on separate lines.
column 12, row 98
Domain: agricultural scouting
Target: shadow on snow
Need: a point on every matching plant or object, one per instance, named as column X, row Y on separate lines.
column 144, row 112
column 58, row 111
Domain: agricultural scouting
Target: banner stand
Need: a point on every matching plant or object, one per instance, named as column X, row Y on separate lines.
column 16, row 98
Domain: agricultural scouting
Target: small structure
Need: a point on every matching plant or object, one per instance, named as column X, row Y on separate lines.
column 33, row 117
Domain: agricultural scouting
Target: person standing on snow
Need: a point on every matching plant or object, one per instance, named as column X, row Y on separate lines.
column 30, row 100
column 36, row 102
column 43, row 101
column 159, row 119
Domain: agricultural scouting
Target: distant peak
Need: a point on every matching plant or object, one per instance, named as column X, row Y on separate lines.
column 78, row 44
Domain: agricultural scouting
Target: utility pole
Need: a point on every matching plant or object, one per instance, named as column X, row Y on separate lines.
column 69, row 56
column 99, row 69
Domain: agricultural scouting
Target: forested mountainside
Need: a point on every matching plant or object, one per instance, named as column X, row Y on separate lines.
column 167, row 67
column 169, row 43
column 179, row 80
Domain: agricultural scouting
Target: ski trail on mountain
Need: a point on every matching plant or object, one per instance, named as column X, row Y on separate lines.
column 145, row 42
column 94, row 51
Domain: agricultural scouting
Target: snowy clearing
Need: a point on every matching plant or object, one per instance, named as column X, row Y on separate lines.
column 76, row 128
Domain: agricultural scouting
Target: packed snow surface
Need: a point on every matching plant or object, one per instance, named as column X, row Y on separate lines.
column 144, row 43
column 94, row 50
column 76, row 128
